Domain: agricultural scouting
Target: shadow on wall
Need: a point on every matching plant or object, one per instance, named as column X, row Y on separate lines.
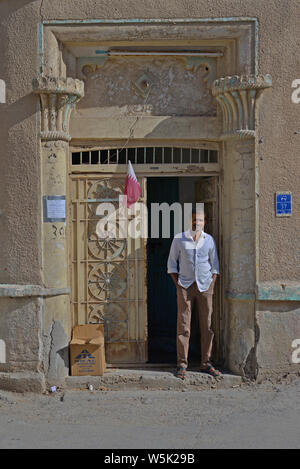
column 183, row 126
column 279, row 307
column 14, row 5
column 18, row 111
column 168, row 126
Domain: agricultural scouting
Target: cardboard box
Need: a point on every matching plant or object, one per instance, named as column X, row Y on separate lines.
column 87, row 355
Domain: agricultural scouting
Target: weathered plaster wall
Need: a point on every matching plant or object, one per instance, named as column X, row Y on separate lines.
column 115, row 100
column 20, row 328
column 275, row 322
column 115, row 88
column 20, row 249
column 279, row 119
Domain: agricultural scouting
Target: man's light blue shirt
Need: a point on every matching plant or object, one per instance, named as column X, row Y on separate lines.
column 198, row 261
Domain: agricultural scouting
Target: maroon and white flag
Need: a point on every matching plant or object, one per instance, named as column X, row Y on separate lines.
column 132, row 188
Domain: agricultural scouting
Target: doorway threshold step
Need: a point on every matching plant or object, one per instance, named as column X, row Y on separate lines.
column 117, row 379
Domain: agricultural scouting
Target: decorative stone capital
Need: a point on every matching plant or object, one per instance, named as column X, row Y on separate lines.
column 58, row 97
column 237, row 97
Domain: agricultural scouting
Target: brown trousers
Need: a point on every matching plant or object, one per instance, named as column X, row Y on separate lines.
column 185, row 300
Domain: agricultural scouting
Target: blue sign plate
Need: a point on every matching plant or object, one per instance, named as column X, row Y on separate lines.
column 283, row 204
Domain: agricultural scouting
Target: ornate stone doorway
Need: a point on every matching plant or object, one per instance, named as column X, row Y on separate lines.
column 108, row 276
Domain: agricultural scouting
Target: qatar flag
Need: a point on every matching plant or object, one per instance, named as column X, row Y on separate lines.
column 132, row 188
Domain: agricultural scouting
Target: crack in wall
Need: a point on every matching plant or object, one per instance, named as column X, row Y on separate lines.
column 250, row 368
column 50, row 346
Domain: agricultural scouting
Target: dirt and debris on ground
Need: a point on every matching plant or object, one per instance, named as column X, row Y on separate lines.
column 251, row 415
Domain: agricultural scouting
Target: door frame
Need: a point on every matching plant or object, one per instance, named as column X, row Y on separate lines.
column 160, row 170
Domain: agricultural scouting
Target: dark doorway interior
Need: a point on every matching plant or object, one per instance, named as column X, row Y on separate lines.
column 162, row 299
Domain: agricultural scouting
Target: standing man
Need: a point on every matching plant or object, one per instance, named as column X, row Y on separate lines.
column 195, row 252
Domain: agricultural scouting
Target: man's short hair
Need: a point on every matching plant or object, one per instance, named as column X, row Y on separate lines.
column 195, row 211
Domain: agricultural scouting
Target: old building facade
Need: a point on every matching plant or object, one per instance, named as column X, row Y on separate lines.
column 199, row 98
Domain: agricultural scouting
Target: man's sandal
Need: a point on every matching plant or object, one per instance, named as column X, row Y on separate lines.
column 211, row 371
column 181, row 372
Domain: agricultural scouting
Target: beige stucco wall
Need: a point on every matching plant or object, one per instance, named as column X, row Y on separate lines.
column 20, row 160
column 277, row 142
column 278, row 121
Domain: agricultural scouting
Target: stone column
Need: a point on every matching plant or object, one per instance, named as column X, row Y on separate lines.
column 57, row 98
column 237, row 97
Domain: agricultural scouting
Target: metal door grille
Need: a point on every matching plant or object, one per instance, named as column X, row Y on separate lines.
column 145, row 155
column 108, row 274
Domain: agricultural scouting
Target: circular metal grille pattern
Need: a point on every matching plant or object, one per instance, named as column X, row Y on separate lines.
column 106, row 248
column 107, row 188
column 113, row 317
column 107, row 281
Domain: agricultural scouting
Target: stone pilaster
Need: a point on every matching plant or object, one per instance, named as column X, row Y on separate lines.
column 57, row 98
column 237, row 97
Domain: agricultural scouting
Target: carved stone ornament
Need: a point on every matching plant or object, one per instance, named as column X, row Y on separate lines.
column 237, row 97
column 58, row 97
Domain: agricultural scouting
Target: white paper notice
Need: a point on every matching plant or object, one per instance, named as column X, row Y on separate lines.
column 56, row 208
